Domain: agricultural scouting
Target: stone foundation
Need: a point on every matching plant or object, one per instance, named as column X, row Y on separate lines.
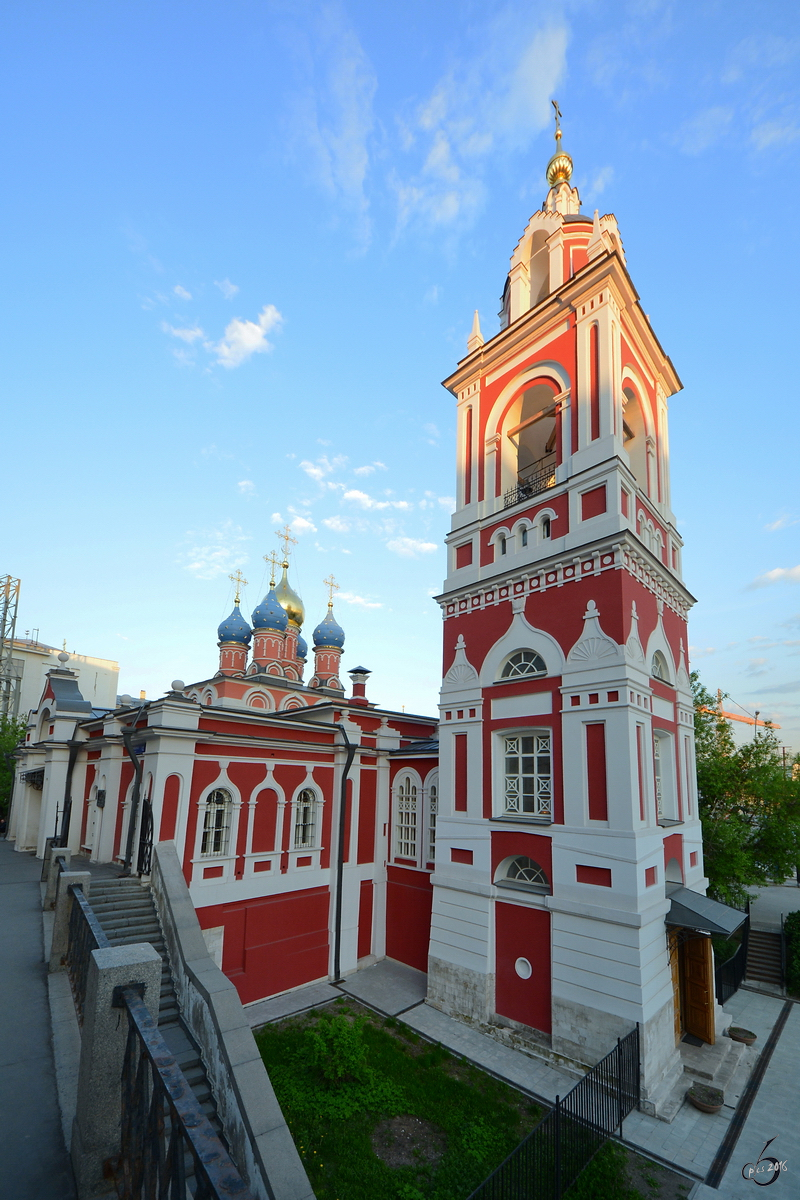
column 459, row 992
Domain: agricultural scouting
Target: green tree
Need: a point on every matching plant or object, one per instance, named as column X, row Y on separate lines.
column 12, row 731
column 749, row 805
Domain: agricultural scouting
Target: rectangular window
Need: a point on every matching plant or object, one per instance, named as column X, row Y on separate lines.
column 659, row 774
column 528, row 775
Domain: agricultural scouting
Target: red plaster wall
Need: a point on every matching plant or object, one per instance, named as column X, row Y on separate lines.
column 366, row 816
column 523, row 933
column 409, row 897
column 169, row 808
column 365, row 919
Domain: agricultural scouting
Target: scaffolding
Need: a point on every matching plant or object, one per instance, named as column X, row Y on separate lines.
column 9, row 675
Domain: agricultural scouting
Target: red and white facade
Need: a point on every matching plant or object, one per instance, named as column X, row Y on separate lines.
column 567, row 780
column 522, row 862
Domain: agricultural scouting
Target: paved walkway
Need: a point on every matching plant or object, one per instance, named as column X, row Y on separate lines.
column 690, row 1143
column 34, row 1164
column 767, row 906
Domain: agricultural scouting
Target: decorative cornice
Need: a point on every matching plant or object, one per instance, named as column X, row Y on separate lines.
column 621, row 555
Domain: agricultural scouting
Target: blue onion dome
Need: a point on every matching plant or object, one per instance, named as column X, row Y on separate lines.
column 329, row 632
column 302, row 647
column 234, row 628
column 269, row 614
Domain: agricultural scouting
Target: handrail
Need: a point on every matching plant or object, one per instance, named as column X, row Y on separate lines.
column 85, row 935
column 163, row 1124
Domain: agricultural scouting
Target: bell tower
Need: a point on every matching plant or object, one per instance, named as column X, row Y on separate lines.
column 567, row 803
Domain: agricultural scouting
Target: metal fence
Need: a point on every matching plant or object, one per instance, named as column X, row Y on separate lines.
column 538, row 477
column 168, row 1147
column 85, row 935
column 728, row 977
column 553, row 1155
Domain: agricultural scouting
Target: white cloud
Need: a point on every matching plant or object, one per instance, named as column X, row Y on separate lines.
column 245, row 338
column 782, row 523
column 185, row 335
column 757, row 666
column 600, row 182
column 182, row 292
column 246, row 487
column 369, row 502
column 334, row 115
column 227, row 288
column 702, row 130
column 447, row 502
column 351, row 598
column 774, row 133
column 778, row 575
column 336, row 524
column 408, row 547
column 701, row 651
column 301, row 525
column 322, row 467
column 276, row 519
column 496, row 101
column 370, row 468
column 215, row 552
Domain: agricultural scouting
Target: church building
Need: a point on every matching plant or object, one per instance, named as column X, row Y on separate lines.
column 536, row 848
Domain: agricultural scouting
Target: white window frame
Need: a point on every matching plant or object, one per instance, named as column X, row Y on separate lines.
column 538, row 884
column 406, row 816
column 212, row 829
column 431, row 810
column 306, row 800
column 540, row 810
column 535, row 673
column 666, row 784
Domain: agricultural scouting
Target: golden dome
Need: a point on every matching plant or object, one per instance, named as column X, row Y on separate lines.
column 289, row 600
column 559, row 169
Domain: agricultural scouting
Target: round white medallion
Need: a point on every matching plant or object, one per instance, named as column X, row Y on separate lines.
column 523, row 968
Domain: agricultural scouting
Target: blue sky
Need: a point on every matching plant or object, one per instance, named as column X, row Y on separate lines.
column 243, row 244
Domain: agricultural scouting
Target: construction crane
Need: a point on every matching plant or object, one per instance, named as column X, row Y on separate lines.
column 9, row 679
column 719, row 711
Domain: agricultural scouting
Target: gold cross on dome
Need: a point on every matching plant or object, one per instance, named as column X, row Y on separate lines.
column 238, row 578
column 273, row 562
column 332, row 586
column 557, row 115
column 285, row 535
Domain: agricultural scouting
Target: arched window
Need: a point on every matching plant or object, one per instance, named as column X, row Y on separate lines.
column 217, row 823
column 433, row 808
column 406, row 819
column 305, row 820
column 523, row 535
column 523, row 873
column 524, row 663
column 545, row 528
column 501, row 541
column 658, row 667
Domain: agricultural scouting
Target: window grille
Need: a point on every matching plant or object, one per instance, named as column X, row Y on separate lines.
column 305, row 820
column 216, row 823
column 524, row 662
column 407, row 819
column 659, row 777
column 658, row 668
column 523, row 872
column 433, row 808
column 528, row 775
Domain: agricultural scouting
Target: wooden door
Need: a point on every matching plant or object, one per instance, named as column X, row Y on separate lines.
column 674, row 963
column 698, row 988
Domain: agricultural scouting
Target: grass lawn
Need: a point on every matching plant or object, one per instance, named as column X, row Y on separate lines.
column 377, row 1113
column 407, row 1121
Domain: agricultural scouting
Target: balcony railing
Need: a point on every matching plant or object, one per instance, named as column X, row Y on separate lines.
column 536, row 478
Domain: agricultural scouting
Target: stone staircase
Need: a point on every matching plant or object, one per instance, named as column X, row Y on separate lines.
column 764, row 958
column 127, row 913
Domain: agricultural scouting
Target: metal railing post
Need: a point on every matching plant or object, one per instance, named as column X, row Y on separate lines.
column 557, row 1148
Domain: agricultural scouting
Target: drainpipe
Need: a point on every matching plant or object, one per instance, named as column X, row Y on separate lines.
column 337, row 919
column 66, row 812
column 127, row 732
